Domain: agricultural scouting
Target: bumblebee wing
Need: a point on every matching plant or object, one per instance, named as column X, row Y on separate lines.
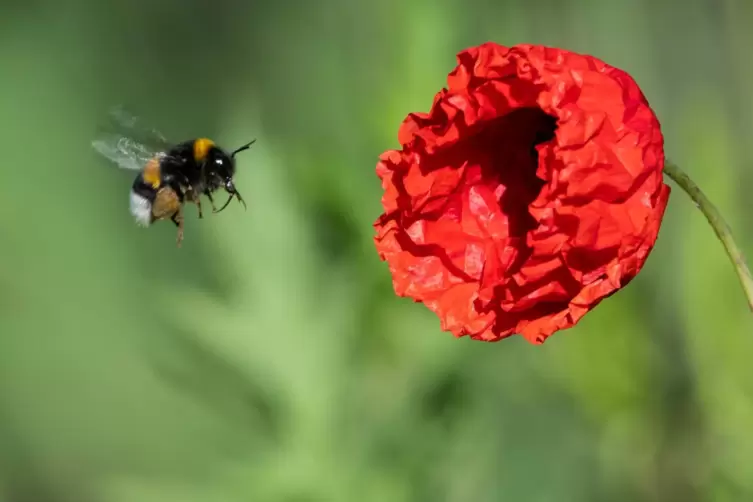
column 127, row 141
column 122, row 121
column 125, row 152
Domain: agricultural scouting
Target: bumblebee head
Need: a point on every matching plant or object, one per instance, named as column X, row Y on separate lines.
column 219, row 167
column 221, row 170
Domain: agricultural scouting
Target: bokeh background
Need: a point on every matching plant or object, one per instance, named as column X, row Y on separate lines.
column 268, row 359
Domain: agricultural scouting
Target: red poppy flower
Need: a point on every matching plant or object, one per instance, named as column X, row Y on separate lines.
column 530, row 192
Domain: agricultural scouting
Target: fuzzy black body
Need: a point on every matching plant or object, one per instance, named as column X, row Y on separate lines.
column 170, row 175
column 200, row 164
column 182, row 174
column 197, row 165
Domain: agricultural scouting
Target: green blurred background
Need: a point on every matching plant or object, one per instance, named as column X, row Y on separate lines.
column 268, row 359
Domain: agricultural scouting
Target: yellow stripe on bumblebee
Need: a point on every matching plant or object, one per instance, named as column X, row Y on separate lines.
column 201, row 149
column 151, row 174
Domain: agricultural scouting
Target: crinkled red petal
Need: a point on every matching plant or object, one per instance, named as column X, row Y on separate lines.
column 529, row 192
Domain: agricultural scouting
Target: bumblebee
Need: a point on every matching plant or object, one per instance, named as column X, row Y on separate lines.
column 170, row 175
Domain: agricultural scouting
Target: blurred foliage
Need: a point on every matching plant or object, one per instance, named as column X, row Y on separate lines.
column 268, row 358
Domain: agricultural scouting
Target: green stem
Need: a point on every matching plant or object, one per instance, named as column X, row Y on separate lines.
column 722, row 230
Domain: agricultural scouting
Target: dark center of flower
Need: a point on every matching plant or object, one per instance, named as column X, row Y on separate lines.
column 510, row 159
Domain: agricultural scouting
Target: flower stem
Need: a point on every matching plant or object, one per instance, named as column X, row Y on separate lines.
column 721, row 229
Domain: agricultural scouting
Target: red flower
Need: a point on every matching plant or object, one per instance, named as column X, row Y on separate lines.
column 530, row 192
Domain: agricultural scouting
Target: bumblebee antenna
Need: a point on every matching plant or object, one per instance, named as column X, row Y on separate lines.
column 240, row 199
column 244, row 147
column 229, row 187
column 225, row 205
column 236, row 195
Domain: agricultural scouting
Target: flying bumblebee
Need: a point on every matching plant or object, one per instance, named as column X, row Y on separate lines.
column 170, row 175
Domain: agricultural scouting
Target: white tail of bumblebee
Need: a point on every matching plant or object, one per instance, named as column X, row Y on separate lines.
column 141, row 209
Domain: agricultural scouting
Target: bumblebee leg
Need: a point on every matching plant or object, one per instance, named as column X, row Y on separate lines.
column 194, row 197
column 177, row 218
column 197, row 200
column 166, row 203
column 211, row 200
